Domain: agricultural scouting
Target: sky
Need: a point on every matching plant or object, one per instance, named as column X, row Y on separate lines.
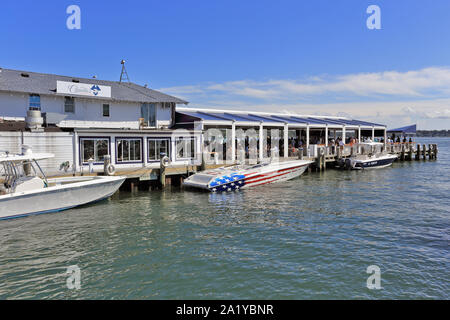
column 308, row 57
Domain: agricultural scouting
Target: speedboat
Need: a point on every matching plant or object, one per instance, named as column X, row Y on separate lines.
column 25, row 190
column 369, row 162
column 370, row 159
column 244, row 176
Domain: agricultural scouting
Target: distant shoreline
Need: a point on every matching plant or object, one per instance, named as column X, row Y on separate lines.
column 433, row 133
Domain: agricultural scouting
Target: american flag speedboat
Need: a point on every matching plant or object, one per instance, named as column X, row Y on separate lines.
column 244, row 176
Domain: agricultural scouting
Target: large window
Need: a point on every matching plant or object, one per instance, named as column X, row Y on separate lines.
column 69, row 104
column 185, row 148
column 156, row 147
column 148, row 113
column 94, row 148
column 129, row 150
column 35, row 102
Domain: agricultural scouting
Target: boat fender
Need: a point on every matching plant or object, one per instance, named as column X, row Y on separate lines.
column 110, row 170
column 165, row 161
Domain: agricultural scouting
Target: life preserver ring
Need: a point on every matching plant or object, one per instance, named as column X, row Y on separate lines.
column 110, row 170
column 165, row 161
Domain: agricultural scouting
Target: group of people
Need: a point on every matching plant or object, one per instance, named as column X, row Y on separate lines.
column 398, row 139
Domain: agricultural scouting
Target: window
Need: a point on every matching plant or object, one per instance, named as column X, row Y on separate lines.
column 185, row 148
column 128, row 150
column 148, row 112
column 106, row 110
column 156, row 147
column 35, row 102
column 94, row 148
column 69, row 104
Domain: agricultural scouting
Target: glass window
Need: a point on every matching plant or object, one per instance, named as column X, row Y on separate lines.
column 185, row 148
column 94, row 148
column 148, row 112
column 156, row 147
column 106, row 110
column 129, row 150
column 69, row 104
column 35, row 102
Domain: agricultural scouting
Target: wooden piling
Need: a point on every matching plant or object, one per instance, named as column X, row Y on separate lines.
column 424, row 151
column 203, row 165
column 418, row 152
column 162, row 171
column 410, row 152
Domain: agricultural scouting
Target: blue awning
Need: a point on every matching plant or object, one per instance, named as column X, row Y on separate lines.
column 274, row 119
column 412, row 129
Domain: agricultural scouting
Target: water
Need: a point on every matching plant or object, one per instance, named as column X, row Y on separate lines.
column 313, row 237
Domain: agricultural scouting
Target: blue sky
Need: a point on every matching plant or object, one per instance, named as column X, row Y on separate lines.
column 312, row 57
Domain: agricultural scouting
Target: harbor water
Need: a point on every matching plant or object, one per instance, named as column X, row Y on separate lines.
column 309, row 238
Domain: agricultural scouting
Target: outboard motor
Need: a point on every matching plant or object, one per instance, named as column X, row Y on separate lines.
column 348, row 164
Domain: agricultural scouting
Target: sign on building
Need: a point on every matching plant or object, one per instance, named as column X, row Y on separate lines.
column 83, row 89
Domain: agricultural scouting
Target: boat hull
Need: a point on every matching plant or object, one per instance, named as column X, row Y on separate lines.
column 254, row 176
column 374, row 164
column 58, row 198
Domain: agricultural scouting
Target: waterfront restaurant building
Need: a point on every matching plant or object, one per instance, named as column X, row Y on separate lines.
column 292, row 131
column 85, row 119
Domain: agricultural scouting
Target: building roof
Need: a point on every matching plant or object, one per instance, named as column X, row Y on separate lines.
column 45, row 84
column 412, row 129
column 213, row 116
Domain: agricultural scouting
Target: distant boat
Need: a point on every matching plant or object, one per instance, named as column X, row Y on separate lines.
column 244, row 176
column 23, row 192
column 370, row 161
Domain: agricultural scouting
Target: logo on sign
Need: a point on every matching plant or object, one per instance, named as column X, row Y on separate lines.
column 95, row 89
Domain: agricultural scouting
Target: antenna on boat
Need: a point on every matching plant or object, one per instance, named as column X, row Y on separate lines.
column 124, row 73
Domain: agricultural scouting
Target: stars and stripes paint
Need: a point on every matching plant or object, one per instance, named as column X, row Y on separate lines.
column 230, row 182
column 237, row 181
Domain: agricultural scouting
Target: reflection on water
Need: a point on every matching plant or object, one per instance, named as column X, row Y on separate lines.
column 312, row 237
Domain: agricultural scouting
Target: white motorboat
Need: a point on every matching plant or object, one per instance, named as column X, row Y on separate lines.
column 25, row 190
column 372, row 158
column 377, row 161
column 244, row 176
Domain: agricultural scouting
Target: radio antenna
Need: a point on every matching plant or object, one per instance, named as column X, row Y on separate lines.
column 124, row 73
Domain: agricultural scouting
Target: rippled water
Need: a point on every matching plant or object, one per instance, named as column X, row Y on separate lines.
column 313, row 237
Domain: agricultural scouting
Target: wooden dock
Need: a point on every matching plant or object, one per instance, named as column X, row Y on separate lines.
column 156, row 178
column 404, row 152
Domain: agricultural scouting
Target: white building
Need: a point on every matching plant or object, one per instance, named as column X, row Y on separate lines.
column 86, row 119
column 89, row 118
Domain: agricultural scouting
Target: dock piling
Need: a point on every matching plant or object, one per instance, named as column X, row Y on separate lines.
column 162, row 171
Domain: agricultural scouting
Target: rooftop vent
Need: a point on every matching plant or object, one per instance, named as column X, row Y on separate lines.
column 25, row 75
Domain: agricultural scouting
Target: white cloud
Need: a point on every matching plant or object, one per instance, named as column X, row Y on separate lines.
column 390, row 97
column 420, row 83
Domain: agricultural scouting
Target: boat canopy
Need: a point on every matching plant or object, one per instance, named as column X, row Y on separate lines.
column 24, row 157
